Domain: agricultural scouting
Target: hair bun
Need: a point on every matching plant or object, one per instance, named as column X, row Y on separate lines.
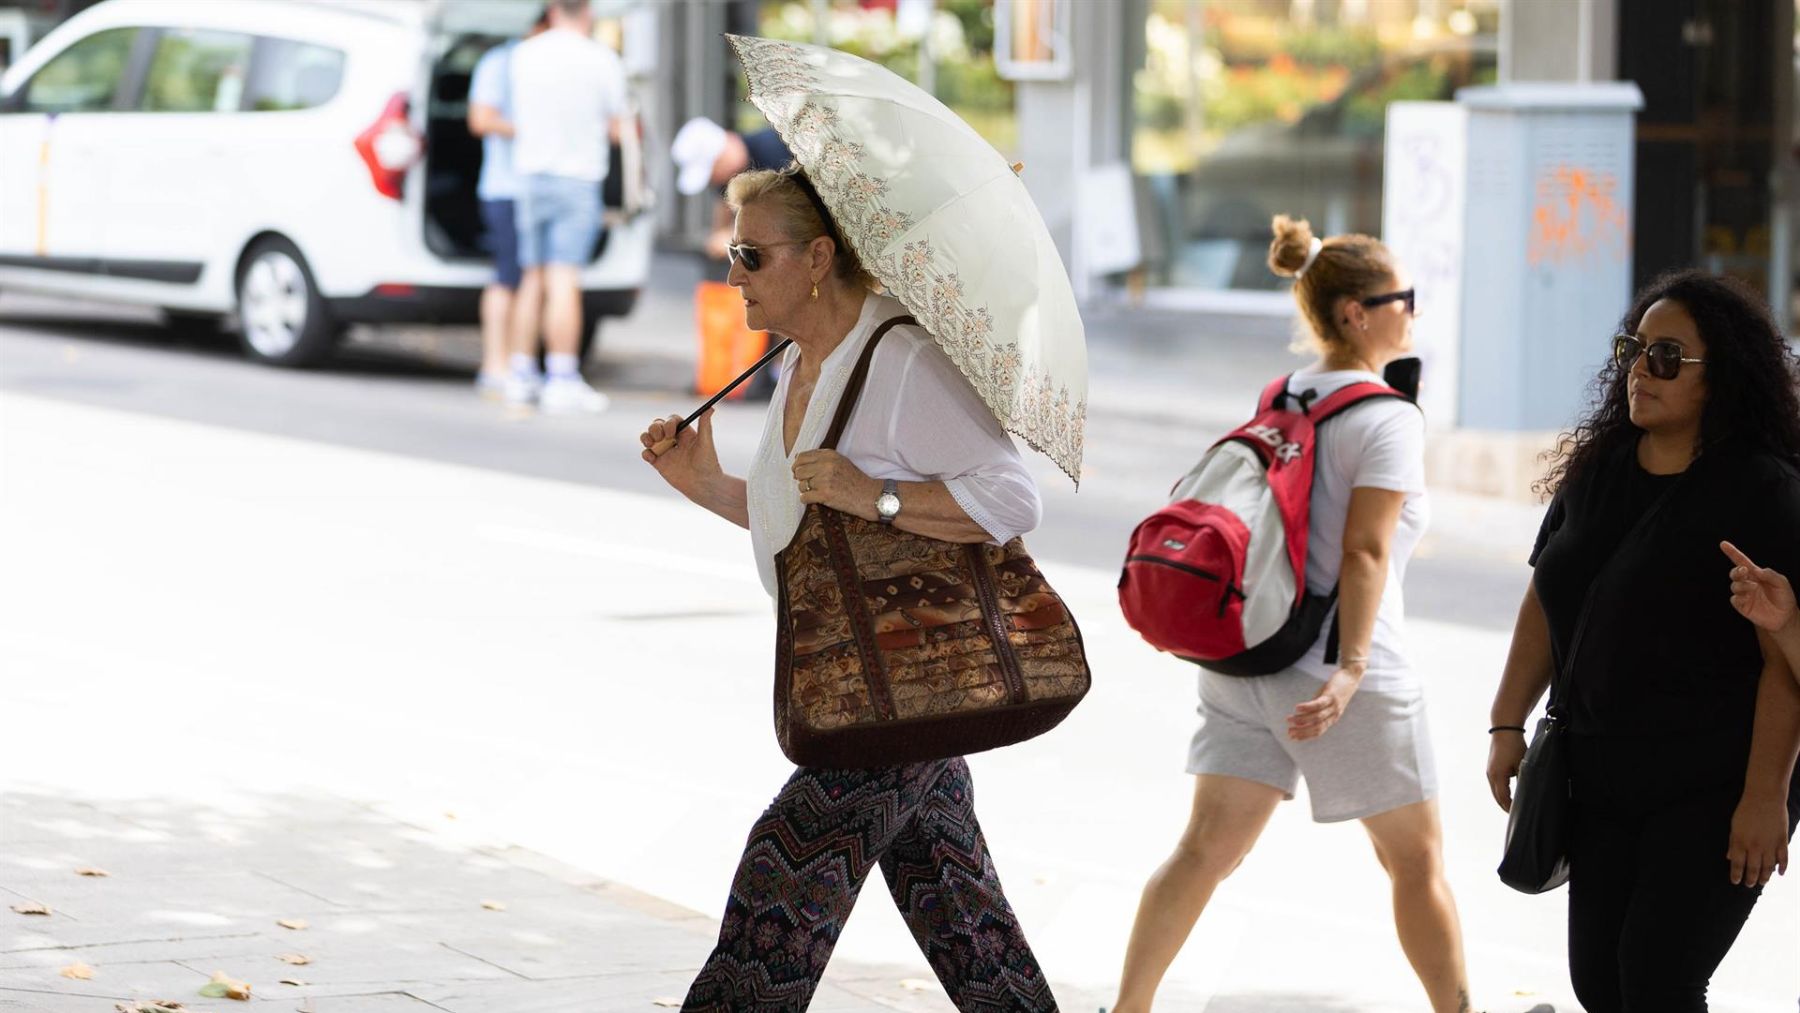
column 1291, row 246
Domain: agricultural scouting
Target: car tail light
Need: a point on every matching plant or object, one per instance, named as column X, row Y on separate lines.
column 390, row 146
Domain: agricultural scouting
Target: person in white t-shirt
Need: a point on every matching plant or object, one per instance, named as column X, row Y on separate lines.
column 568, row 97
column 1355, row 730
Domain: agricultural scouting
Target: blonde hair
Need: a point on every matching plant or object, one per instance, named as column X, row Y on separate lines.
column 1349, row 266
column 800, row 214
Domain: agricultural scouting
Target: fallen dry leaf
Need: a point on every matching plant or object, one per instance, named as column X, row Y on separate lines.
column 31, row 909
column 223, row 986
column 493, row 905
column 78, row 971
column 88, row 870
column 291, row 923
column 152, row 1006
column 296, row 959
column 666, row 1001
column 296, row 982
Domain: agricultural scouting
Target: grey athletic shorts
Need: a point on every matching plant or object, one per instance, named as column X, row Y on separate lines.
column 1376, row 757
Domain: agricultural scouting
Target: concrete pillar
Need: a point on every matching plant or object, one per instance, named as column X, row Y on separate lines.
column 690, row 79
column 1559, row 40
column 1084, row 120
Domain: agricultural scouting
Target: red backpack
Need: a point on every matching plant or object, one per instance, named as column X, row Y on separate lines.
column 1219, row 575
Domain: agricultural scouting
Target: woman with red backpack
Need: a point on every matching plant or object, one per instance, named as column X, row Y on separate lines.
column 1349, row 714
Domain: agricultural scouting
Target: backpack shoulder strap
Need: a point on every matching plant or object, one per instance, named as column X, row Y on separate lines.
column 1351, row 395
column 1274, row 394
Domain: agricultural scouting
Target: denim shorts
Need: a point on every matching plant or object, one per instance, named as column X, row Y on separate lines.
column 559, row 220
column 502, row 220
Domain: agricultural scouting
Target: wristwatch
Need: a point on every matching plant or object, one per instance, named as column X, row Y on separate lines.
column 887, row 505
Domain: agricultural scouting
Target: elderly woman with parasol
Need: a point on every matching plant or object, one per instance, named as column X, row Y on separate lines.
column 891, row 191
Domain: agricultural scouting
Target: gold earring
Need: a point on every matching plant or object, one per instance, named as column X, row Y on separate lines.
column 815, row 297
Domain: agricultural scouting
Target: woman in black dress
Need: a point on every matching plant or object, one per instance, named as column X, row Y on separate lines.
column 1684, row 720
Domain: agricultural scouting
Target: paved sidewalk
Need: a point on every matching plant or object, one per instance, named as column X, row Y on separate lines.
column 397, row 917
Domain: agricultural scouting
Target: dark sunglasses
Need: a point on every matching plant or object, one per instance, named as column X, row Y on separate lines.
column 752, row 255
column 1406, row 294
column 1662, row 357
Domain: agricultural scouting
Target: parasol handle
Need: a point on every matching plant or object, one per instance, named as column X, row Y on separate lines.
column 663, row 447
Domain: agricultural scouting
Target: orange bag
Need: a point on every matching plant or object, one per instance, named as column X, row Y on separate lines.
column 727, row 346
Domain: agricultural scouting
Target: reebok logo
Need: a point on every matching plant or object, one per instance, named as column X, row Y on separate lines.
column 1285, row 449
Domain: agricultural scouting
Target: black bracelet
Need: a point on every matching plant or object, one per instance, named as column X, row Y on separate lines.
column 1506, row 728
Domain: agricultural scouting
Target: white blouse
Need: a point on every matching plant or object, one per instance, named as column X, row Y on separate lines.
column 918, row 420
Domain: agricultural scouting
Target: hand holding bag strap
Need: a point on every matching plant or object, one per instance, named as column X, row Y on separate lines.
column 853, row 387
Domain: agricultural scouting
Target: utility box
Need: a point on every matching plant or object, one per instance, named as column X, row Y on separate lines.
column 1546, row 247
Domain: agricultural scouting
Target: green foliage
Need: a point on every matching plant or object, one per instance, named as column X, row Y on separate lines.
column 966, row 79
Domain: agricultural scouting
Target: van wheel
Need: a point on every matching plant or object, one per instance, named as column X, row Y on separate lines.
column 284, row 320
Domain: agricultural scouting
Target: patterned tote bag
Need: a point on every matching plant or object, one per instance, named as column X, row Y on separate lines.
column 897, row 648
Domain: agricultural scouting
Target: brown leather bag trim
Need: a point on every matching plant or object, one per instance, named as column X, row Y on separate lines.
column 837, row 543
column 891, row 743
column 853, row 387
column 784, row 661
column 843, row 567
column 996, row 622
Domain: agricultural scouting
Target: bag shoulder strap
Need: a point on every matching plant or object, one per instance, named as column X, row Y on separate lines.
column 1274, row 394
column 1320, row 409
column 1560, row 678
column 853, row 387
column 1331, row 406
column 1347, row 397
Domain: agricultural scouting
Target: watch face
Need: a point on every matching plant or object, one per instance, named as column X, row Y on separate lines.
column 888, row 505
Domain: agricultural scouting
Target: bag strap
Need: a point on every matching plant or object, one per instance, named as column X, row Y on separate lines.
column 1320, row 409
column 1560, row 678
column 1349, row 396
column 1274, row 395
column 853, row 387
column 1337, row 403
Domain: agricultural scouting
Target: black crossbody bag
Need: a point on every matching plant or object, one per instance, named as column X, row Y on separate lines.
column 1535, row 857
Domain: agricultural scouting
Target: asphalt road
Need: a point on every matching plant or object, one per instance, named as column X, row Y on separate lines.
column 408, row 392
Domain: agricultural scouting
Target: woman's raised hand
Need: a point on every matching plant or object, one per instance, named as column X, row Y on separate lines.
column 1760, row 595
column 684, row 460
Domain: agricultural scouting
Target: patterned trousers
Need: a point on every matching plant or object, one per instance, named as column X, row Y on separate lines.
column 806, row 860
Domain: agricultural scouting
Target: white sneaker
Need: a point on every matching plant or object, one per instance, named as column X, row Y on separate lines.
column 491, row 386
column 571, row 396
column 523, row 388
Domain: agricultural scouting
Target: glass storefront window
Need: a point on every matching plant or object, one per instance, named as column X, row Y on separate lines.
column 945, row 46
column 1249, row 108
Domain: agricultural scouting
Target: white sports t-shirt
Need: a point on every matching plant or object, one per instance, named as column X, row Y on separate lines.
column 566, row 91
column 1374, row 445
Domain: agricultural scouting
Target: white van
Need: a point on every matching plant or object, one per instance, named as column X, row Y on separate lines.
column 302, row 164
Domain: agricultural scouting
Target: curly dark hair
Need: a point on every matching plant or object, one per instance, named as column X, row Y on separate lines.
column 1750, row 378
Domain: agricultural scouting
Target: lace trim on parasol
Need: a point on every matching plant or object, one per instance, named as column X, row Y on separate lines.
column 1026, row 401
